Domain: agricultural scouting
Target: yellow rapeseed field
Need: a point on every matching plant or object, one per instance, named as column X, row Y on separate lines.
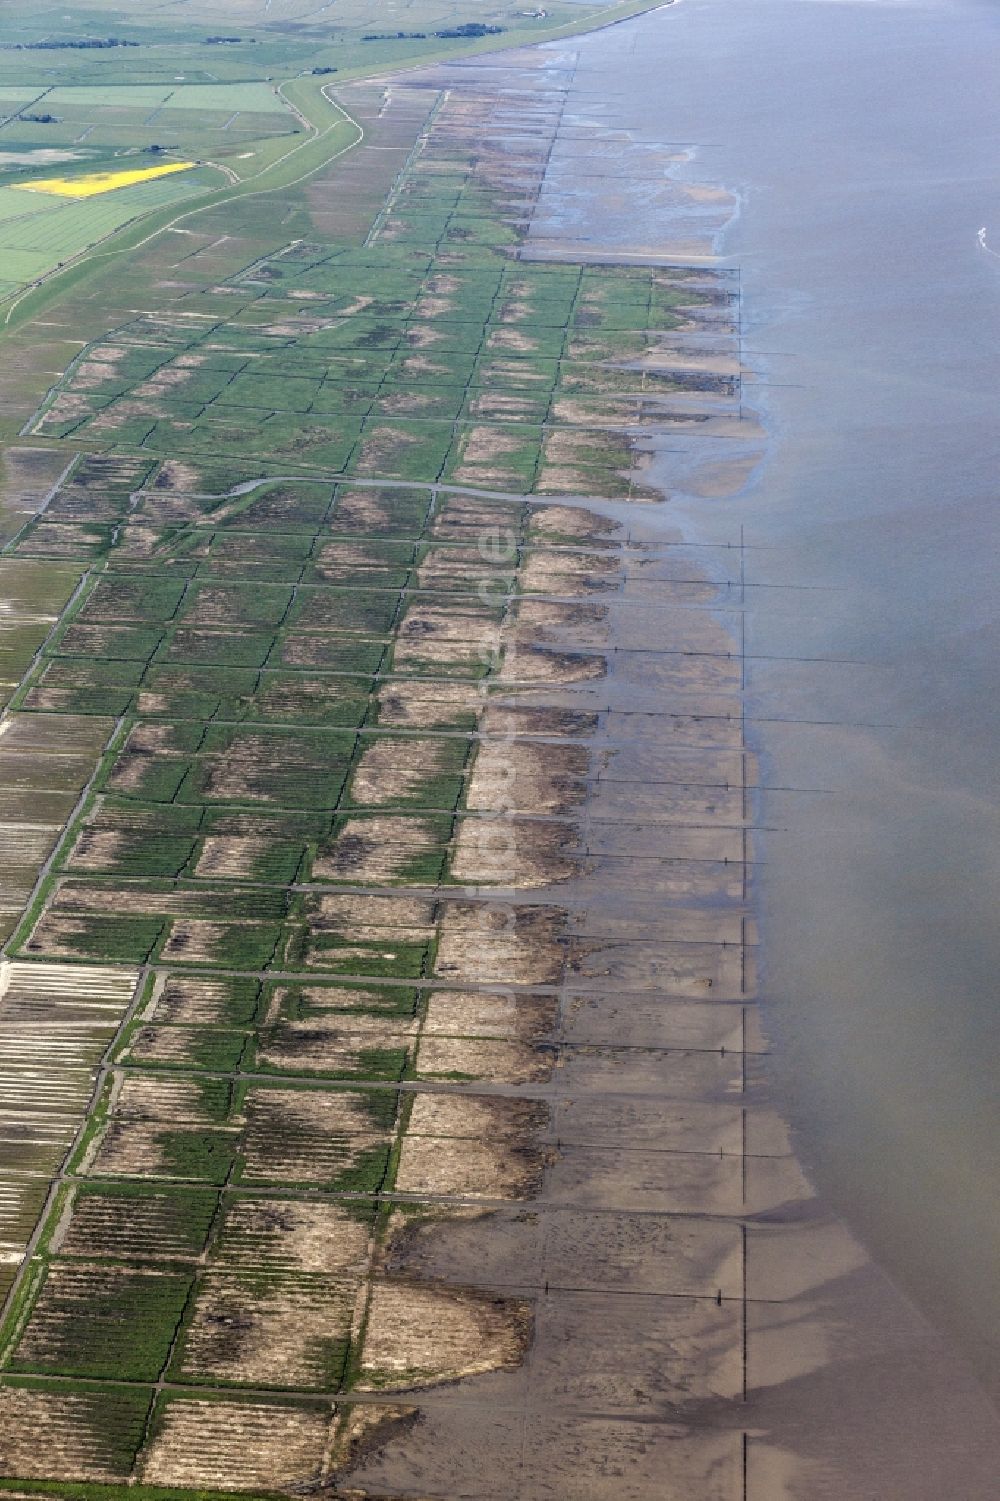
column 98, row 182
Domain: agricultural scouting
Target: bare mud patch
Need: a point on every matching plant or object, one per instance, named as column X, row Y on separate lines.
column 517, row 945
column 522, row 776
column 513, row 853
column 419, row 1335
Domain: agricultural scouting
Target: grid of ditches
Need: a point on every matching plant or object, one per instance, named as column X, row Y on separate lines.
column 315, row 695
column 431, row 353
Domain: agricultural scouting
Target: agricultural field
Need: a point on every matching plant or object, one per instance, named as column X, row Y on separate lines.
column 79, row 163
column 430, row 353
column 430, row 374
column 189, row 91
column 344, row 595
column 226, row 41
column 40, row 230
column 28, row 475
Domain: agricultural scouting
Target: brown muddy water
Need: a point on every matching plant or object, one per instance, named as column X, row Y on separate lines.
column 844, row 156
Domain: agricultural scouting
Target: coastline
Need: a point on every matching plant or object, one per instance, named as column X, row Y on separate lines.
column 592, row 1258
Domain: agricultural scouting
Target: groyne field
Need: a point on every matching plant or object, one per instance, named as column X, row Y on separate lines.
column 381, row 1112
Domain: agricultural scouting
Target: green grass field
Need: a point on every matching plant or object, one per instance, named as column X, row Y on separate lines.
column 259, row 109
column 52, row 230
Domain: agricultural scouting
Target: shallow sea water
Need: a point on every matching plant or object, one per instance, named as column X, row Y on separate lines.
column 858, row 139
